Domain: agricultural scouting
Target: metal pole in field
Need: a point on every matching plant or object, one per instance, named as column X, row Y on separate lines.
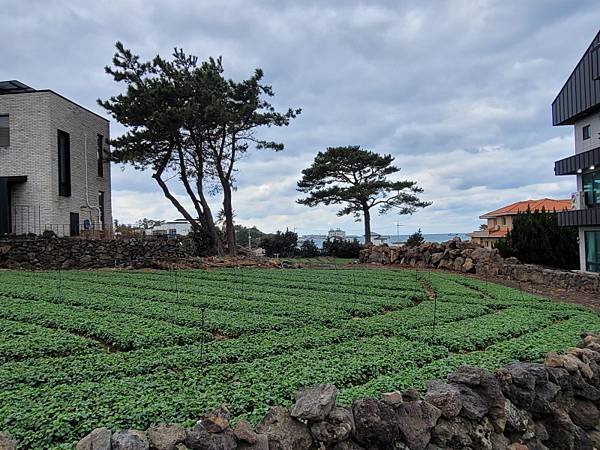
column 521, row 290
column 60, row 284
column 176, row 283
column 434, row 313
column 203, row 311
column 354, row 283
column 242, row 281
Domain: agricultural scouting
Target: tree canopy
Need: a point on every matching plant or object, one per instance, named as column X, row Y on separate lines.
column 359, row 180
column 415, row 239
column 536, row 238
column 186, row 120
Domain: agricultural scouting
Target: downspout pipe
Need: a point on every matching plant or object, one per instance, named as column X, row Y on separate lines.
column 87, row 193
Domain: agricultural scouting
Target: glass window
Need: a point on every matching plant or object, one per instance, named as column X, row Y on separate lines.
column 100, row 155
column 591, row 188
column 64, row 164
column 592, row 251
column 4, row 132
column 586, row 132
column 101, row 207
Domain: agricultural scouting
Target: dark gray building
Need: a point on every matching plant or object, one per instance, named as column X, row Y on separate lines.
column 578, row 104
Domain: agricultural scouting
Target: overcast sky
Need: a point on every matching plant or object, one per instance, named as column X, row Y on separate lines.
column 458, row 91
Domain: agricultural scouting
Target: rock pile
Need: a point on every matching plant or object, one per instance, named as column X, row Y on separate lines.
column 466, row 257
column 554, row 405
column 452, row 255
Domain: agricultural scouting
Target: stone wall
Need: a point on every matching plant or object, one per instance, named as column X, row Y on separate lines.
column 53, row 253
column 466, row 257
column 554, row 405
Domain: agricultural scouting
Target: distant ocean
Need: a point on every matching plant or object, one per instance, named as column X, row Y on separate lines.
column 391, row 239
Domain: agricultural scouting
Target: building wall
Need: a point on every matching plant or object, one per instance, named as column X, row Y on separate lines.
column 28, row 154
column 498, row 222
column 34, row 119
column 82, row 126
column 593, row 120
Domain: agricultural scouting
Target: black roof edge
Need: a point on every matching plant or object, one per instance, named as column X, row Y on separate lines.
column 58, row 95
column 588, row 48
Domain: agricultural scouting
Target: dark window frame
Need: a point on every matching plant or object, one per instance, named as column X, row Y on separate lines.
column 101, row 207
column 100, row 155
column 592, row 265
column 74, row 224
column 64, row 163
column 7, row 144
column 590, row 182
column 586, row 132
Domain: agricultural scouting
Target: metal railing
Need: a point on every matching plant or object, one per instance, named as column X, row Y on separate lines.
column 29, row 220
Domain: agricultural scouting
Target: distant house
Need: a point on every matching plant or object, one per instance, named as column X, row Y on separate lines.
column 578, row 104
column 500, row 221
column 336, row 234
column 54, row 164
column 173, row 228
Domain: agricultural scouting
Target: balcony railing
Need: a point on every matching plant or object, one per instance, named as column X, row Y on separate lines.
column 580, row 217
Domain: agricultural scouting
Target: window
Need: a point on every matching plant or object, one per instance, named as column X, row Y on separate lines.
column 504, row 221
column 101, row 206
column 74, row 224
column 592, row 251
column 100, row 154
column 64, row 164
column 586, row 132
column 591, row 188
column 4, row 132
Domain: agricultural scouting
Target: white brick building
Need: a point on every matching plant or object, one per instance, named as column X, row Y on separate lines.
column 54, row 173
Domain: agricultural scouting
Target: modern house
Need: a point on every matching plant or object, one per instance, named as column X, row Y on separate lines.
column 500, row 221
column 54, row 170
column 578, row 104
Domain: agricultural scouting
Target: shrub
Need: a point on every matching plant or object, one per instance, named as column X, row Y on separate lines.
column 415, row 239
column 309, row 249
column 536, row 238
column 341, row 248
column 282, row 244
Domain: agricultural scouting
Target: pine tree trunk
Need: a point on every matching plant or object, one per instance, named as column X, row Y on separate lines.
column 229, row 227
column 367, row 219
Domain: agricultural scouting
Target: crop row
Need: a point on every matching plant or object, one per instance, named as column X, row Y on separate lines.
column 22, row 341
column 64, row 413
column 528, row 347
column 123, row 282
column 123, row 331
column 480, row 332
column 52, row 371
column 237, row 280
column 229, row 320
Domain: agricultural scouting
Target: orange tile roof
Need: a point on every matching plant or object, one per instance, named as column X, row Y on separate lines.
column 499, row 233
column 547, row 204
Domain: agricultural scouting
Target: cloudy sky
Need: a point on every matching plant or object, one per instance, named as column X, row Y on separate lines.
column 458, row 91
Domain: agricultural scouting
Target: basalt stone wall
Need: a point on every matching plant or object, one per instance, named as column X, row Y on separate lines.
column 40, row 252
column 466, row 257
column 535, row 406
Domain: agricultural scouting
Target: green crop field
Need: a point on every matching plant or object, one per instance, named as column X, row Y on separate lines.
column 127, row 349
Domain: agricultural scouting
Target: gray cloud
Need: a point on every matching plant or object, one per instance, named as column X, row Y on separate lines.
column 458, row 91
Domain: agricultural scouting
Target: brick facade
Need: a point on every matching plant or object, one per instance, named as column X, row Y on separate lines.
column 34, row 120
